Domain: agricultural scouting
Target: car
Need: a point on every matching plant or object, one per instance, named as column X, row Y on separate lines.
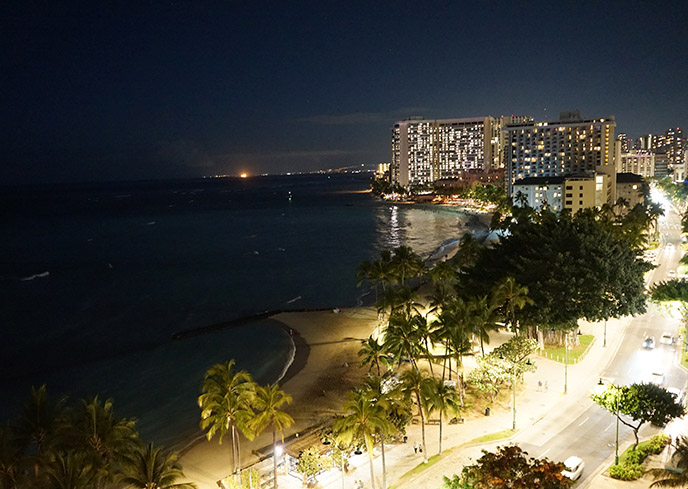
column 671, row 274
column 657, row 378
column 666, row 338
column 649, row 343
column 574, row 467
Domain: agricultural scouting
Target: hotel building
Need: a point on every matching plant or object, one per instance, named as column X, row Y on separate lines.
column 570, row 146
column 570, row 192
column 424, row 151
column 635, row 161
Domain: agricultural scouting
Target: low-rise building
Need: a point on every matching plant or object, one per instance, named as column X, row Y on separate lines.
column 630, row 187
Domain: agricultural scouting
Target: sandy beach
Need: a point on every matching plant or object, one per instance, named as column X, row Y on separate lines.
column 325, row 368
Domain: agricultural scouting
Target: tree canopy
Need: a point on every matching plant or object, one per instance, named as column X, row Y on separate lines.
column 573, row 266
column 642, row 403
column 510, row 468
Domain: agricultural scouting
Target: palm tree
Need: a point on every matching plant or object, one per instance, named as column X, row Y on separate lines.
column 226, row 405
column 151, row 468
column 414, row 382
column 267, row 401
column 401, row 339
column 362, row 418
column 393, row 405
column 38, row 421
column 377, row 272
column 104, row 437
column 12, row 459
column 399, row 299
column 68, row 470
column 443, row 399
column 511, row 296
column 679, row 460
column 373, row 353
column 406, row 263
column 482, row 320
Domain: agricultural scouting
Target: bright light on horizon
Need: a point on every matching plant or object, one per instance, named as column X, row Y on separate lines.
column 243, row 175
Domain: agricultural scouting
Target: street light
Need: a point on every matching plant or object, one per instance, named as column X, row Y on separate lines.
column 600, row 388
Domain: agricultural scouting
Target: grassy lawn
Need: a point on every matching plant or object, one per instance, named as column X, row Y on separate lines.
column 574, row 354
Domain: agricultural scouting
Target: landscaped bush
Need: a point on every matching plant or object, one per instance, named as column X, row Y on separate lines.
column 631, row 468
column 657, row 443
column 628, row 472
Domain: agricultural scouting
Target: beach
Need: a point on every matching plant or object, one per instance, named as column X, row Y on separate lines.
column 324, row 369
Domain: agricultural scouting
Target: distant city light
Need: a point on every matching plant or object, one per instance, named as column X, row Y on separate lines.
column 243, row 175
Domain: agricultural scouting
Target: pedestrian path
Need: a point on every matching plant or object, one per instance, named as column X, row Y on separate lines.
column 541, row 393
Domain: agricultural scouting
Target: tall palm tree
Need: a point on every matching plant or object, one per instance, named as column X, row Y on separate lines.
column 414, row 382
column 393, row 405
column 362, row 418
column 443, row 399
column 226, row 405
column 267, row 402
column 406, row 263
column 152, row 468
column 68, row 470
column 12, row 459
column 679, row 460
column 373, row 354
column 483, row 319
column 401, row 339
column 38, row 421
column 399, row 299
column 104, row 437
column 512, row 297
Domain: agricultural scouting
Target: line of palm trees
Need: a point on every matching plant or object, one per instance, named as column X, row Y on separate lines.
column 56, row 445
column 232, row 403
column 440, row 334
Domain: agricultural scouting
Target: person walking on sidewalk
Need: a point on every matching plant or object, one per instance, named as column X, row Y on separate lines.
column 415, row 447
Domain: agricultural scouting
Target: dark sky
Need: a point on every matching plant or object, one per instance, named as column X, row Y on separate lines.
column 134, row 90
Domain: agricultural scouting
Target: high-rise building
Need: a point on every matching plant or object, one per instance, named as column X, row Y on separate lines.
column 671, row 143
column 623, row 140
column 571, row 146
column 639, row 162
column 424, row 151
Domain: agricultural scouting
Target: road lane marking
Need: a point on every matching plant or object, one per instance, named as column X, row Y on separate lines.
column 542, row 455
column 584, row 421
column 610, row 425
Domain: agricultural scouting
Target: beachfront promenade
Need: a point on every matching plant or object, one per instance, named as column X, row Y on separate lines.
column 331, row 348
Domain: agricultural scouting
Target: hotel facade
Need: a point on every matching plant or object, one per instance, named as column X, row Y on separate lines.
column 570, row 146
column 424, row 151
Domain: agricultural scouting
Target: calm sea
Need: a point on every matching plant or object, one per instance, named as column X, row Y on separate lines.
column 95, row 279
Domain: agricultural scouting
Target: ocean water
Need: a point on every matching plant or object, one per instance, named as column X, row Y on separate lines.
column 95, row 279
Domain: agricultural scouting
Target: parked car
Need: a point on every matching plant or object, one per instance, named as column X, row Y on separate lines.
column 657, row 378
column 574, row 467
column 649, row 343
column 666, row 338
column 677, row 393
column 672, row 274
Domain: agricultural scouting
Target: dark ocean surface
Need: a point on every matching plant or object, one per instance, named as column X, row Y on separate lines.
column 96, row 278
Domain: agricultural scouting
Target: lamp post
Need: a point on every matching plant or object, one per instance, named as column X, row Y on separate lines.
column 566, row 362
column 616, row 453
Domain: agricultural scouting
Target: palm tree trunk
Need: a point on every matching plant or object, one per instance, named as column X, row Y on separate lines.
column 440, row 451
column 369, row 446
column 274, row 460
column 384, row 464
column 427, row 352
column 422, row 427
column 234, row 451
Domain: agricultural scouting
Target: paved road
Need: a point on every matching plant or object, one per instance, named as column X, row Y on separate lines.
column 590, row 432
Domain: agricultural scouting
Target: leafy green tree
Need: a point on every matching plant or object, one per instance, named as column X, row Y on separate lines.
column 490, row 375
column 153, row 468
column 679, row 461
column 510, row 468
column 443, row 399
column 637, row 404
column 311, row 463
column 573, row 267
column 267, row 402
column 225, row 405
column 671, row 291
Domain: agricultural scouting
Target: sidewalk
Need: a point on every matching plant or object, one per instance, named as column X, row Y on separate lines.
column 531, row 406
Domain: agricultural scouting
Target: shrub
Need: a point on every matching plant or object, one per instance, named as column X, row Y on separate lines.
column 657, row 443
column 628, row 472
column 636, row 457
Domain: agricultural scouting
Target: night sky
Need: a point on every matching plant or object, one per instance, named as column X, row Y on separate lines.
column 146, row 90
